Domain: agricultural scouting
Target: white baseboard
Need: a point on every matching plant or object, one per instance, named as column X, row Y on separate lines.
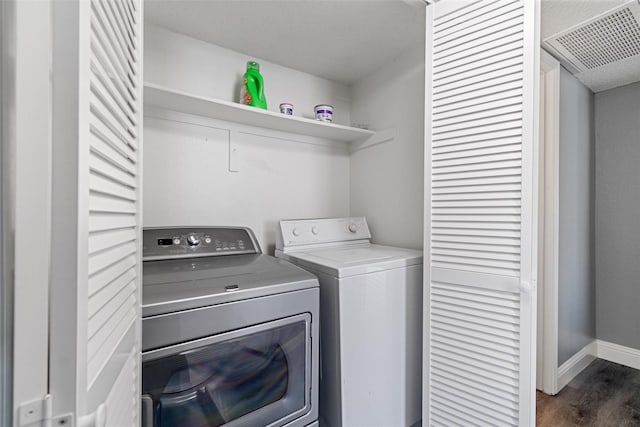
column 626, row 356
column 615, row 353
column 572, row 367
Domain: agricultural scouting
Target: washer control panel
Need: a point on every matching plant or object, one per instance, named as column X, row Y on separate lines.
column 316, row 231
column 190, row 242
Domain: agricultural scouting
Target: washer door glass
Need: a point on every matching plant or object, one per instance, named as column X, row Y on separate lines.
column 254, row 376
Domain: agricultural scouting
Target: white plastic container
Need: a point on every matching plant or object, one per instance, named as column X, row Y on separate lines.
column 324, row 112
column 286, row 109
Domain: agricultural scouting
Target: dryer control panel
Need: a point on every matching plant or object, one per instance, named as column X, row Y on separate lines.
column 192, row 242
column 296, row 233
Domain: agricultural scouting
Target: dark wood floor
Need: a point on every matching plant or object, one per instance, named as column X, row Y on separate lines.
column 605, row 394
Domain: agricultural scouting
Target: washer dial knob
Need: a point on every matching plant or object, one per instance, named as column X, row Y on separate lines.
column 193, row 240
column 296, row 232
column 353, row 228
column 315, row 230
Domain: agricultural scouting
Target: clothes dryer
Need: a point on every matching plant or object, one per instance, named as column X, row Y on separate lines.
column 228, row 333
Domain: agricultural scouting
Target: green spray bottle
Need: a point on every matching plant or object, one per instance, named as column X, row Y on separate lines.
column 252, row 91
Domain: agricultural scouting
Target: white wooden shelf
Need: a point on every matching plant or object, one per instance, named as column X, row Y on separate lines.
column 160, row 97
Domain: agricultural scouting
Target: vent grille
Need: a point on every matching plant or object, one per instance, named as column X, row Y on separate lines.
column 606, row 39
column 610, row 39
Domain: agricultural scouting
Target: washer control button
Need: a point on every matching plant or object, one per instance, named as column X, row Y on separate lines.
column 353, row 228
column 207, row 240
column 176, row 240
column 315, row 230
column 193, row 240
column 296, row 232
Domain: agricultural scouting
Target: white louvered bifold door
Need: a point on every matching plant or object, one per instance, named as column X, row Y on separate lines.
column 479, row 208
column 114, row 221
column 106, row 372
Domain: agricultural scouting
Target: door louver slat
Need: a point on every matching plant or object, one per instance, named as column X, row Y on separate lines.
column 104, row 71
column 103, row 147
column 460, row 62
column 104, row 185
column 106, row 221
column 477, row 106
column 491, row 406
column 492, row 22
column 104, row 18
column 121, row 392
column 97, row 299
column 496, row 388
column 114, row 13
column 110, row 134
column 101, row 346
column 103, row 278
column 102, row 166
column 479, row 67
column 101, row 203
column 512, row 83
column 477, row 117
column 102, row 241
column 467, row 15
column 107, row 257
column 104, row 89
column 109, row 308
column 480, row 82
column 470, row 151
column 510, row 30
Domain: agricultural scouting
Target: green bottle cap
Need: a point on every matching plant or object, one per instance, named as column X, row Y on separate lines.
column 253, row 65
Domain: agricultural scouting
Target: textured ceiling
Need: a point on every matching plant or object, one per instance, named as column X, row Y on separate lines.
column 342, row 40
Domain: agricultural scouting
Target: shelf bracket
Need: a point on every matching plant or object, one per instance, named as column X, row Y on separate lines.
column 378, row 138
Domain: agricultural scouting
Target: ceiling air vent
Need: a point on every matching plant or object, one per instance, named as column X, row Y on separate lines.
column 606, row 39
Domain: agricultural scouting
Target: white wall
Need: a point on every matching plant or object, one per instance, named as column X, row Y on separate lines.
column 194, row 66
column 576, row 270
column 387, row 180
column 281, row 176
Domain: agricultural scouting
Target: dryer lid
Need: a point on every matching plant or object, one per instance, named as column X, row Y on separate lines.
column 181, row 284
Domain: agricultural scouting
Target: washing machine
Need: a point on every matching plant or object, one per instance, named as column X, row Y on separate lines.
column 370, row 321
column 228, row 333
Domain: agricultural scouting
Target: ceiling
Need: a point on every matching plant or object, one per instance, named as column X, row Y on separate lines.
column 341, row 40
column 345, row 40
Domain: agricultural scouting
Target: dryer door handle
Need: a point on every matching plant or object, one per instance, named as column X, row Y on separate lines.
column 147, row 411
